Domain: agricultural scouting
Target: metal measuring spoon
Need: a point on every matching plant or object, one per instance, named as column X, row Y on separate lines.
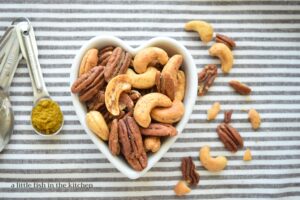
column 10, row 57
column 29, row 50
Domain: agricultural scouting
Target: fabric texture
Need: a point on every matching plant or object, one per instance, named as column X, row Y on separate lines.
column 267, row 59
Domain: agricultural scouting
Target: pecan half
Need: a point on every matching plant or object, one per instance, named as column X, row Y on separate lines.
column 89, row 92
column 86, row 79
column 225, row 40
column 132, row 144
column 118, row 63
column 97, row 102
column 113, row 140
column 189, row 173
column 165, row 84
column 230, row 137
column 104, row 55
column 227, row 116
column 240, row 87
column 159, row 129
column 206, row 78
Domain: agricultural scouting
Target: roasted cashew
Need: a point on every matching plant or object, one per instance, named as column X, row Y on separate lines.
column 89, row 60
column 114, row 88
column 97, row 124
column 180, row 91
column 146, row 56
column 169, row 115
column 210, row 163
column 142, row 81
column 145, row 104
column 204, row 29
column 152, row 143
column 224, row 54
column 173, row 66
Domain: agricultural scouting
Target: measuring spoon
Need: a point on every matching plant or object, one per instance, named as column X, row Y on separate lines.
column 29, row 50
column 10, row 57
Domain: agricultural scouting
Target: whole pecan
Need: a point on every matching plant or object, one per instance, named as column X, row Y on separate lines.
column 230, row 137
column 227, row 116
column 132, row 144
column 159, row 129
column 113, row 140
column 189, row 173
column 118, row 63
column 97, row 102
column 206, row 78
column 226, row 40
column 104, row 55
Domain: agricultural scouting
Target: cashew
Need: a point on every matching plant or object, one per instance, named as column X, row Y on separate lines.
column 179, row 93
column 210, row 163
column 173, row 65
column 169, row 115
column 114, row 88
column 213, row 111
column 89, row 60
column 181, row 188
column 145, row 104
column 204, row 29
column 247, row 155
column 146, row 56
column 152, row 144
column 142, row 81
column 254, row 118
column 97, row 124
column 224, row 54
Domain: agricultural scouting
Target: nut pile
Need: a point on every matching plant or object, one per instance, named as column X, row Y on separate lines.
column 227, row 134
column 132, row 102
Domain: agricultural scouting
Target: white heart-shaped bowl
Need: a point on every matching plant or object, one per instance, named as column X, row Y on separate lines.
column 172, row 47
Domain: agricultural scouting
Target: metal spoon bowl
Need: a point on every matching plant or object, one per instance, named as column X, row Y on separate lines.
column 39, row 132
column 6, row 119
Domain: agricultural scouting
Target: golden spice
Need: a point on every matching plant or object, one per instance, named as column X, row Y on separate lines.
column 46, row 116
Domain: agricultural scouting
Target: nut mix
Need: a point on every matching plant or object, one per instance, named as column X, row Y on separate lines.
column 132, row 102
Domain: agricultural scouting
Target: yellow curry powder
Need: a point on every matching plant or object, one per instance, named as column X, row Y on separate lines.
column 46, row 116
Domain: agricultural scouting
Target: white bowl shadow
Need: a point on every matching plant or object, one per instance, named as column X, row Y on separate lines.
column 172, row 47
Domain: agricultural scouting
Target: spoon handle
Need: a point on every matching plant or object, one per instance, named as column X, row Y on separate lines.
column 28, row 47
column 10, row 56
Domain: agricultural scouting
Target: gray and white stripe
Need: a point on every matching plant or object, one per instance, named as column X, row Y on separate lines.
column 267, row 58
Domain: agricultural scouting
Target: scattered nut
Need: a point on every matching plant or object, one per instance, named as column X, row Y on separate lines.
column 97, row 124
column 142, row 81
column 113, row 90
column 180, row 91
column 240, row 87
column 213, row 111
column 227, row 116
column 224, row 54
column 210, row 163
column 90, row 60
column 204, row 29
column 230, row 137
column 145, row 104
column 181, row 188
column 152, row 143
column 144, row 57
column 189, row 173
column 169, row 115
column 226, row 40
column 206, row 78
column 254, row 118
column 247, row 155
